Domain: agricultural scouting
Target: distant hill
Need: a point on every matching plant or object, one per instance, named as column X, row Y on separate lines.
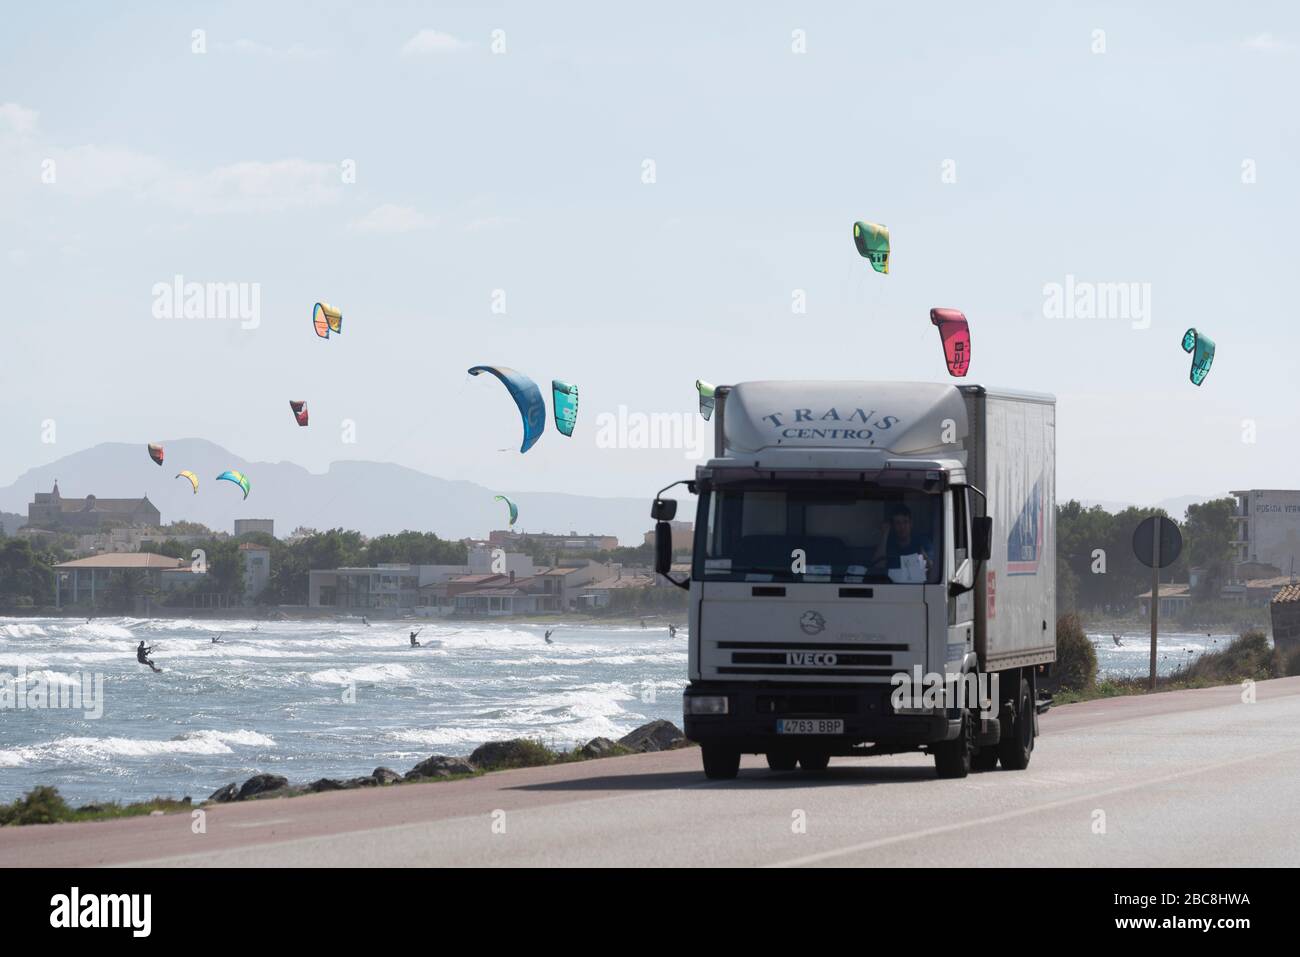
column 372, row 497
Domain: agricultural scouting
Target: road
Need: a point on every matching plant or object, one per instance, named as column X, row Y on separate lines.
column 1189, row 778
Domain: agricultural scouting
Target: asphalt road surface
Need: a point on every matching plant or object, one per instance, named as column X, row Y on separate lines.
column 1189, row 778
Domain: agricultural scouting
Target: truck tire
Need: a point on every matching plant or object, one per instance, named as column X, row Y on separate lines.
column 1018, row 747
column 782, row 760
column 720, row 763
column 814, row 760
column 952, row 759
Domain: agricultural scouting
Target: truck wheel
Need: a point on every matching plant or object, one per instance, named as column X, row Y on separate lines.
column 720, row 763
column 952, row 759
column 1019, row 746
column 985, row 759
column 814, row 761
column 781, row 760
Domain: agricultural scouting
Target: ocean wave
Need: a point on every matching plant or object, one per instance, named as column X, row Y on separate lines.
column 97, row 750
column 374, row 674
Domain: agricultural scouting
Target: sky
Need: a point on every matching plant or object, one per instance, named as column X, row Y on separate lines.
column 631, row 198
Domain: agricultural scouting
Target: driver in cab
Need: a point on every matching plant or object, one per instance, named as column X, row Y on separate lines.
column 898, row 538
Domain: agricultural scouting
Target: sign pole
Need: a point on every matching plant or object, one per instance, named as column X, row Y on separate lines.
column 1155, row 595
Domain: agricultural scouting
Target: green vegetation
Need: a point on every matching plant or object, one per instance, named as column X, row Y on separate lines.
column 1076, row 659
column 1247, row 658
column 26, row 578
column 44, row 805
column 1097, row 574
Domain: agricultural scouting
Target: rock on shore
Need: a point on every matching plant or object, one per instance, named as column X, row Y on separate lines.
column 490, row 756
column 656, row 736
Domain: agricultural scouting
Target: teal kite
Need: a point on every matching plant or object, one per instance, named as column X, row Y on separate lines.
column 564, row 400
column 707, row 400
column 1203, row 346
column 872, row 241
column 514, row 509
column 236, row 476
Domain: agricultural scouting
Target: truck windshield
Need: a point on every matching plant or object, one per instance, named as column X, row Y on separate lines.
column 845, row 532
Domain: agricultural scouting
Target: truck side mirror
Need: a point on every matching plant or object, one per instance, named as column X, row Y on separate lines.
column 664, row 545
column 982, row 538
column 663, row 510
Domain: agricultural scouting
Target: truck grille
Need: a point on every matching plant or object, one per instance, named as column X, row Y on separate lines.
column 850, row 659
column 806, row 704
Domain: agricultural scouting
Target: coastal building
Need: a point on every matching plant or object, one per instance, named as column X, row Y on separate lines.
column 557, row 588
column 1268, row 527
column 1173, row 598
column 244, row 526
column 683, row 536
column 572, row 544
column 404, row 587
column 50, row 510
column 1251, row 591
column 257, row 569
column 494, row 601
column 601, row 593
column 122, row 539
column 87, row 581
column 1285, row 613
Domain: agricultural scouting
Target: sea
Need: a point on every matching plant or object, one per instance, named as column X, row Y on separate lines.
column 313, row 699
column 309, row 699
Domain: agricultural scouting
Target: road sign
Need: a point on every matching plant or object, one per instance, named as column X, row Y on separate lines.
column 1171, row 542
column 1156, row 543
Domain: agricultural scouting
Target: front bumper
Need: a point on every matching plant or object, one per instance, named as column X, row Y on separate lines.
column 754, row 707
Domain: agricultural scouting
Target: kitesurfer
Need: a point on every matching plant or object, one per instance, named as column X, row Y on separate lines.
column 414, row 643
column 142, row 656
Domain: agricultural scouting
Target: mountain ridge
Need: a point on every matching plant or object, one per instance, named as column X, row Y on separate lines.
column 371, row 497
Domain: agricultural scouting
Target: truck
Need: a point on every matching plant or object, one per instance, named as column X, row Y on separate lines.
column 864, row 553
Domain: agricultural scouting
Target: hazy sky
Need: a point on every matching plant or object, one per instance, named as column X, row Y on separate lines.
column 1170, row 159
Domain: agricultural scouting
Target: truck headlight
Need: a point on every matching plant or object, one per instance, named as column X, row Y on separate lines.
column 704, row 704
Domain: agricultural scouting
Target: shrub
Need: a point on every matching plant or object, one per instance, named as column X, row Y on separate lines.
column 1248, row 656
column 1076, row 660
column 42, row 805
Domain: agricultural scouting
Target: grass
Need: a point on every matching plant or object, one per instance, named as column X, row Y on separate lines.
column 44, row 805
column 1246, row 658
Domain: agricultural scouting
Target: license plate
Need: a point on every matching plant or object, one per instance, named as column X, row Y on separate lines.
column 810, row 726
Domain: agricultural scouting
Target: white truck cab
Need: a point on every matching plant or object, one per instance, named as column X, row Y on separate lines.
column 858, row 540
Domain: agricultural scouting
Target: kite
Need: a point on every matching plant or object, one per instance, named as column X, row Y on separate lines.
column 239, row 478
column 873, row 244
column 194, row 479
column 532, row 407
column 156, row 452
column 1204, row 356
column 954, row 331
column 564, row 398
column 326, row 319
column 514, row 509
column 706, row 398
column 299, row 407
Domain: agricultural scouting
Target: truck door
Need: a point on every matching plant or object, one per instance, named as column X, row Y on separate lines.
column 961, row 610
